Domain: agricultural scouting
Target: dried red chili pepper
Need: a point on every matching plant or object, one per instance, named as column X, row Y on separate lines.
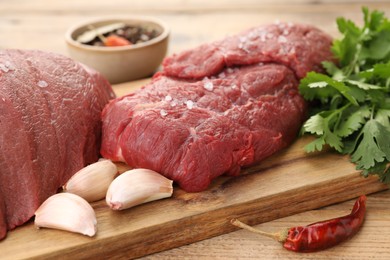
column 319, row 235
column 114, row 40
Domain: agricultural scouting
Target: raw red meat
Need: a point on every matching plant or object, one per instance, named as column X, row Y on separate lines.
column 302, row 48
column 50, row 127
column 217, row 108
column 192, row 132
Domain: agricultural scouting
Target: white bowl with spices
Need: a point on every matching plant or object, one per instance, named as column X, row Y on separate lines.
column 89, row 43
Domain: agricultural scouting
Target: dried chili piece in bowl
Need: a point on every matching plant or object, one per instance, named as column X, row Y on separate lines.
column 320, row 235
column 114, row 40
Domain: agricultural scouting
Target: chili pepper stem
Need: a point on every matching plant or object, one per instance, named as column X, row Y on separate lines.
column 280, row 236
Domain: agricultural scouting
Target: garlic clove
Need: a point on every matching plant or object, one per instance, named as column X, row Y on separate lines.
column 137, row 186
column 67, row 211
column 92, row 181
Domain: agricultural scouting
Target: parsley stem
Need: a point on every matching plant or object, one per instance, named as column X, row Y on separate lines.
column 339, row 112
column 354, row 66
column 372, row 108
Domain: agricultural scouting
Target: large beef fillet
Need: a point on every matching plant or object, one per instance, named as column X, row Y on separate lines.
column 192, row 132
column 217, row 108
column 49, row 128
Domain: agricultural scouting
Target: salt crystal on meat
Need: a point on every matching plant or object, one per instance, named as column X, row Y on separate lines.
column 229, row 70
column 208, row 86
column 9, row 65
column 42, row 84
column 252, row 35
column 163, row 113
column 282, row 39
column 4, row 68
column 190, row 104
column 242, row 39
column 292, row 51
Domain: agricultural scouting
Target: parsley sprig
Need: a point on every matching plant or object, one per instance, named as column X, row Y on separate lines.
column 353, row 102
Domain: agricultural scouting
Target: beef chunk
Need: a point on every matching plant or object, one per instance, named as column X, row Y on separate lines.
column 50, row 127
column 192, row 132
column 218, row 107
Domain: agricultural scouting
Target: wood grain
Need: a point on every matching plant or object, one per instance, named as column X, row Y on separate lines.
column 371, row 242
column 288, row 183
column 291, row 183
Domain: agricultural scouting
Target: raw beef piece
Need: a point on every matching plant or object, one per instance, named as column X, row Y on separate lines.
column 218, row 107
column 194, row 131
column 49, row 127
column 300, row 47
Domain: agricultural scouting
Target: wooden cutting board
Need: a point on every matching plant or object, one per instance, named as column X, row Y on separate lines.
column 289, row 182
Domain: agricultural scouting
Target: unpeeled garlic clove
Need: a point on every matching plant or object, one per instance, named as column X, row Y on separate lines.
column 92, row 181
column 137, row 186
column 67, row 211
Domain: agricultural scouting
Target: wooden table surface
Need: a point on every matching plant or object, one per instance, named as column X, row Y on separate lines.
column 41, row 24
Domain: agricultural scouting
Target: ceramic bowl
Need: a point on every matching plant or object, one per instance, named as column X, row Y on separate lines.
column 120, row 63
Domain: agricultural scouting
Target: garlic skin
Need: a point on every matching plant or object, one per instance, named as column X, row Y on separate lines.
column 92, row 181
column 137, row 186
column 67, row 211
column 122, row 167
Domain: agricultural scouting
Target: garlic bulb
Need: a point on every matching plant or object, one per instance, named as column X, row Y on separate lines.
column 92, row 181
column 68, row 212
column 137, row 186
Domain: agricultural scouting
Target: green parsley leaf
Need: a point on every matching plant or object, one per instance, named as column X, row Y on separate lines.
column 321, row 124
column 332, row 69
column 372, row 20
column 382, row 70
column 383, row 116
column 315, row 145
column 352, row 120
column 353, row 112
column 379, row 47
column 374, row 146
column 363, row 85
column 328, row 87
